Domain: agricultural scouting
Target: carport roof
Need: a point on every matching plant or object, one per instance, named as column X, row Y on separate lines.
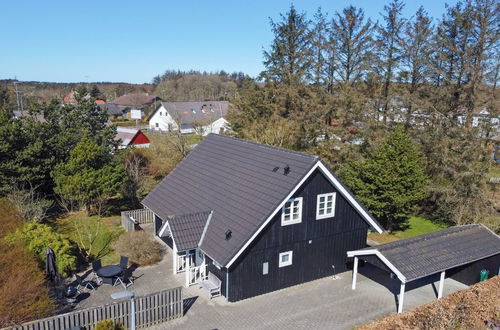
column 428, row 254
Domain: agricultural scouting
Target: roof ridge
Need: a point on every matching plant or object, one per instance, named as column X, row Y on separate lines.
column 265, row 146
column 189, row 214
column 422, row 237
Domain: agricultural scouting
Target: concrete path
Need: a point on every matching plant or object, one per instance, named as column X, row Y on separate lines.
column 321, row 304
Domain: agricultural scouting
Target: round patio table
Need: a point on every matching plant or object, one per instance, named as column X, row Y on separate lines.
column 109, row 271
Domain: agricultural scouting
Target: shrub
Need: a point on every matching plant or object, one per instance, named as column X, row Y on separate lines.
column 24, row 295
column 38, row 237
column 109, row 325
column 140, row 247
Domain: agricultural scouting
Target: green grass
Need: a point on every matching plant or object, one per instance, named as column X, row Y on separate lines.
column 109, row 231
column 416, row 226
column 162, row 138
column 494, row 171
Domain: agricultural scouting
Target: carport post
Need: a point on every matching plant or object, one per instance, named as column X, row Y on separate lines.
column 354, row 273
column 441, row 284
column 401, row 297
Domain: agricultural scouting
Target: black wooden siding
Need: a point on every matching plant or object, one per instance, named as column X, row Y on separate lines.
column 316, row 245
column 220, row 273
column 157, row 222
column 469, row 274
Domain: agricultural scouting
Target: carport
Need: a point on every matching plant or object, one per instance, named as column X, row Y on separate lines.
column 459, row 252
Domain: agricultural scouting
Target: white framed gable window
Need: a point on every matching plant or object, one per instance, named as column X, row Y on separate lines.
column 325, row 206
column 292, row 211
column 285, row 258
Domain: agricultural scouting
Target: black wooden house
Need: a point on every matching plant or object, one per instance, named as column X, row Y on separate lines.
column 257, row 217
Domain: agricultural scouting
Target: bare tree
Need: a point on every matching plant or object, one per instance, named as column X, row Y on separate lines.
column 29, row 202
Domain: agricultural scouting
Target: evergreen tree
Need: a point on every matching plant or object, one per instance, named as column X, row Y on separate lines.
column 352, row 48
column 289, row 59
column 89, row 176
column 417, row 48
column 95, row 92
column 389, row 50
column 390, row 181
column 319, row 47
column 353, row 44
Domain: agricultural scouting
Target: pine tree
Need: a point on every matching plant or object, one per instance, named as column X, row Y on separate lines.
column 89, row 176
column 319, row 48
column 353, row 44
column 417, row 48
column 389, row 50
column 390, row 181
column 289, row 59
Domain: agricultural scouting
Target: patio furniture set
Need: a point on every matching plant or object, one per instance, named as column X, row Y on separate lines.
column 110, row 274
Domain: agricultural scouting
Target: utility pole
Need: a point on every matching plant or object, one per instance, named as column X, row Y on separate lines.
column 19, row 98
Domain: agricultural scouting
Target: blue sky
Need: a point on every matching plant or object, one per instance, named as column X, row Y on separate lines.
column 132, row 41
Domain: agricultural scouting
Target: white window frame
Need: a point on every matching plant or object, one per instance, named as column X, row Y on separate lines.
column 326, row 215
column 292, row 221
column 286, row 263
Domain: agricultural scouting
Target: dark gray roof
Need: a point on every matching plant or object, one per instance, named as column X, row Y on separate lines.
column 196, row 112
column 113, row 109
column 434, row 252
column 187, row 229
column 235, row 178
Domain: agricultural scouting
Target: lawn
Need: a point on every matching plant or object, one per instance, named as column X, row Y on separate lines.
column 494, row 171
column 93, row 234
column 416, row 226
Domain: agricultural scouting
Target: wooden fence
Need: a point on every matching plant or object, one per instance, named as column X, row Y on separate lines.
column 135, row 217
column 151, row 309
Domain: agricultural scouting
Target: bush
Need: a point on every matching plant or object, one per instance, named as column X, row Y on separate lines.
column 25, row 296
column 38, row 237
column 109, row 325
column 140, row 247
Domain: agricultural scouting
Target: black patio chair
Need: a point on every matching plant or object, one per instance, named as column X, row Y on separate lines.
column 123, row 263
column 96, row 265
column 125, row 279
column 83, row 284
column 108, row 280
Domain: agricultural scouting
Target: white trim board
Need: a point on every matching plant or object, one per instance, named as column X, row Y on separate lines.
column 205, row 229
column 358, row 253
column 318, row 165
column 165, row 226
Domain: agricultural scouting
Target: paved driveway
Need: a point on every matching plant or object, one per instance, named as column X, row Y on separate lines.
column 321, row 304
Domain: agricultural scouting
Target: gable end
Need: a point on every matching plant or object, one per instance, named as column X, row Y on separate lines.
column 365, row 215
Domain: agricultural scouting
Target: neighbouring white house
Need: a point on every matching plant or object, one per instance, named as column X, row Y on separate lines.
column 191, row 117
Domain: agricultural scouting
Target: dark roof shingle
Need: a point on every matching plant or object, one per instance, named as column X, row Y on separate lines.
column 196, row 112
column 235, row 179
column 187, row 229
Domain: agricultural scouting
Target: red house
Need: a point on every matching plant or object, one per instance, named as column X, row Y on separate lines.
column 131, row 137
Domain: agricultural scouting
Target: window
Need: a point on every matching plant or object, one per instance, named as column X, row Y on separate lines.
column 285, row 258
column 157, row 124
column 325, row 207
column 265, row 268
column 161, row 114
column 292, row 212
